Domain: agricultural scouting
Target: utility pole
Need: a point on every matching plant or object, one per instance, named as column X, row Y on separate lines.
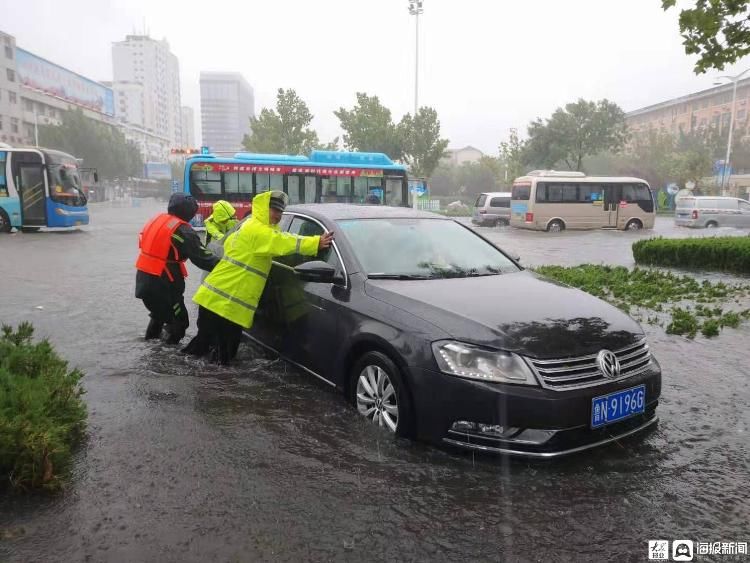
column 727, row 168
column 416, row 7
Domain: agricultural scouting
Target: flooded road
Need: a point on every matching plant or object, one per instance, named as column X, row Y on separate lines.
column 258, row 462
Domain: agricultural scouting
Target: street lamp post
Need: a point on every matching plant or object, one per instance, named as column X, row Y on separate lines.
column 415, row 9
column 734, row 80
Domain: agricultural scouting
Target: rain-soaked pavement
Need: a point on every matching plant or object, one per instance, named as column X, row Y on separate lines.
column 189, row 462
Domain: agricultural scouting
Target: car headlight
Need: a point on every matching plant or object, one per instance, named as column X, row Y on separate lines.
column 473, row 362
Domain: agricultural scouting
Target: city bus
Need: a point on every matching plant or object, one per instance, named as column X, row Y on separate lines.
column 549, row 200
column 322, row 177
column 40, row 188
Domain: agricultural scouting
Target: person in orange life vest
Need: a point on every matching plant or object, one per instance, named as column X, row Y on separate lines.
column 166, row 242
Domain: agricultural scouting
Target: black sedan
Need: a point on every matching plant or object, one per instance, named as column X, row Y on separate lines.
column 432, row 332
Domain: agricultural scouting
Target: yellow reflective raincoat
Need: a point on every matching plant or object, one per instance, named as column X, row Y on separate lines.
column 221, row 221
column 232, row 290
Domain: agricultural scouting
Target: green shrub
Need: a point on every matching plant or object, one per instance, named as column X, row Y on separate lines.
column 42, row 414
column 727, row 254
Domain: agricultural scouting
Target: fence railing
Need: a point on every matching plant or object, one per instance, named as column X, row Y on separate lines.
column 429, row 205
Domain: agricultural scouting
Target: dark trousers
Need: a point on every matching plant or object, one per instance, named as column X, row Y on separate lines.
column 167, row 307
column 216, row 335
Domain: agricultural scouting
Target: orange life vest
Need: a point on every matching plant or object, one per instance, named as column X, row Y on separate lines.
column 155, row 240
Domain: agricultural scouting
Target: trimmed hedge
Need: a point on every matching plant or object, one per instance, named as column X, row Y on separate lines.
column 42, row 414
column 726, row 254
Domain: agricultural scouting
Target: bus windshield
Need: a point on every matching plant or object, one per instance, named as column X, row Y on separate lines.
column 65, row 185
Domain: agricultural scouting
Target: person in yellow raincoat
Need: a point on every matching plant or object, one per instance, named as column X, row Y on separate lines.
column 221, row 221
column 229, row 296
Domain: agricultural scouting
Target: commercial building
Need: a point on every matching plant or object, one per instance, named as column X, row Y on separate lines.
column 147, row 85
column 227, row 104
column 10, row 104
column 457, row 157
column 710, row 108
column 188, row 127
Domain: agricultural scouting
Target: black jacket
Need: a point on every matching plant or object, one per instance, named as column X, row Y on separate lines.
column 188, row 245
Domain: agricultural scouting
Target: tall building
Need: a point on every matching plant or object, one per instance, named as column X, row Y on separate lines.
column 709, row 108
column 227, row 104
column 188, row 127
column 155, row 107
column 11, row 130
column 457, row 157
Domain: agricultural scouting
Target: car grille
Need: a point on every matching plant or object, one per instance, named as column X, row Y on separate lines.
column 574, row 373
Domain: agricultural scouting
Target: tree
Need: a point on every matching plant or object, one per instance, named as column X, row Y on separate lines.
column 422, row 146
column 512, row 154
column 369, row 127
column 581, row 129
column 285, row 130
column 99, row 145
column 718, row 31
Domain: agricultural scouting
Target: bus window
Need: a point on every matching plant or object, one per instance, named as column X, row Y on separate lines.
column 311, row 189
column 266, row 182
column 205, row 184
column 365, row 188
column 344, row 190
column 3, row 182
column 640, row 194
column 521, row 192
column 238, row 186
column 292, row 189
column 393, row 191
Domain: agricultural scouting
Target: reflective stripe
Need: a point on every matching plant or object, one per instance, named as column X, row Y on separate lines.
column 227, row 296
column 299, row 242
column 178, row 237
column 245, row 267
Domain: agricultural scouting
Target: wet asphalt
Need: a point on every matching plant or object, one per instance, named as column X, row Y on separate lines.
column 186, row 461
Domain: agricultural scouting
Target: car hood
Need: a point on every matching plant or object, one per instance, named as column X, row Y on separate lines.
column 520, row 312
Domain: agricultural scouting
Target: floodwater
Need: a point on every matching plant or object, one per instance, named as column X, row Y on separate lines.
column 186, row 461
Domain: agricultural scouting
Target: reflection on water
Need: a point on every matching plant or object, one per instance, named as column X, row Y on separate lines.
column 188, row 461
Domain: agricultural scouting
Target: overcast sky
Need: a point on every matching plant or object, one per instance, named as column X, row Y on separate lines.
column 486, row 65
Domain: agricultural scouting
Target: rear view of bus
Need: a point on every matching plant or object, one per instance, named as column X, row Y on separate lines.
column 554, row 201
column 40, row 188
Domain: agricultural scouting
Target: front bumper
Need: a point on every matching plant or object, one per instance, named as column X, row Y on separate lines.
column 537, row 422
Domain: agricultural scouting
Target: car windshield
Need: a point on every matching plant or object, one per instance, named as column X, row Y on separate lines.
column 422, row 248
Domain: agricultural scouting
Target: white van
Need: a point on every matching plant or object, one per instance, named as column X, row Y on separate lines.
column 712, row 211
column 492, row 209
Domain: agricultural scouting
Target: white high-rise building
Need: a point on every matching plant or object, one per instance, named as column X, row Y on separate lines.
column 188, row 127
column 140, row 60
column 227, row 104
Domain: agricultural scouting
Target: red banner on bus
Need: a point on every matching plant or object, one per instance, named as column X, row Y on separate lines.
column 272, row 169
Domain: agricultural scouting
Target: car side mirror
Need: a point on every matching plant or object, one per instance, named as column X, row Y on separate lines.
column 316, row 271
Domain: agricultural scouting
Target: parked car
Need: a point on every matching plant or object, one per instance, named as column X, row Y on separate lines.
column 492, row 209
column 403, row 316
column 712, row 211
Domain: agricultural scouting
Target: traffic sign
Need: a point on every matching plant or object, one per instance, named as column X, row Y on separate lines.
column 672, row 189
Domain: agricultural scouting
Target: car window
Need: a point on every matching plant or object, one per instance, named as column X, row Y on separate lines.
column 729, row 204
column 521, row 192
column 422, row 247
column 307, row 228
column 745, row 206
column 480, row 200
column 500, row 202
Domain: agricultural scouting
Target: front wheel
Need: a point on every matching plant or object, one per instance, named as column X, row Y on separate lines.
column 556, row 226
column 634, row 225
column 380, row 395
column 711, row 225
column 5, row 225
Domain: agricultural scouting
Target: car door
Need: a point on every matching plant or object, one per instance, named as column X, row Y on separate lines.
column 308, row 318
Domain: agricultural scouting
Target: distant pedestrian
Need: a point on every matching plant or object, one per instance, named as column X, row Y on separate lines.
column 166, row 242
column 229, row 296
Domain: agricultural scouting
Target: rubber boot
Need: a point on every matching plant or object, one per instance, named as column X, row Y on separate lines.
column 154, row 329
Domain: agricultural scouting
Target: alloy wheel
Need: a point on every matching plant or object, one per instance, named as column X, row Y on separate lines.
column 376, row 397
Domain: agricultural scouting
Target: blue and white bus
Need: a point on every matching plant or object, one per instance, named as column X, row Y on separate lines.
column 40, row 188
column 322, row 177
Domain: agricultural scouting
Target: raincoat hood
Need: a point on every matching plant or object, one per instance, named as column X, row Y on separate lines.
column 183, row 206
column 261, row 207
column 222, row 211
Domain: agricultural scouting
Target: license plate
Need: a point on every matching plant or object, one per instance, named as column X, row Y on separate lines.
column 617, row 406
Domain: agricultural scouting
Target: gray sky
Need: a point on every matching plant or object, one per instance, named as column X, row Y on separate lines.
column 486, row 65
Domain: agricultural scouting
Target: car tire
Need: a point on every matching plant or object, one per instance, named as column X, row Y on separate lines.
column 5, row 226
column 712, row 225
column 378, row 392
column 555, row 226
column 634, row 225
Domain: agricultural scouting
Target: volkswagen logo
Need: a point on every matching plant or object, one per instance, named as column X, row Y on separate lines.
column 609, row 364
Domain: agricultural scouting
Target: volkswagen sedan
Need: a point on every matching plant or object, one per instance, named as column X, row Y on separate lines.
column 432, row 332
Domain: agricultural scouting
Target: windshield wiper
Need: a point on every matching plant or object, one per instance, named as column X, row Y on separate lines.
column 399, row 277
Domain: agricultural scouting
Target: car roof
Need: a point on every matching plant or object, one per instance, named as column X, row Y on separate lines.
column 343, row 211
column 501, row 194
